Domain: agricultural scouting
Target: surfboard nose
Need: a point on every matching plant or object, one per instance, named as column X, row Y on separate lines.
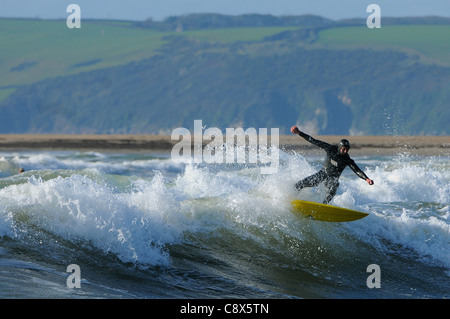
column 325, row 212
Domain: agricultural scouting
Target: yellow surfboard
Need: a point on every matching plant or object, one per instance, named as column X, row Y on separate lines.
column 324, row 212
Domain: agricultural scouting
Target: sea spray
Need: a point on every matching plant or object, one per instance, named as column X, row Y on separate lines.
column 81, row 210
column 165, row 229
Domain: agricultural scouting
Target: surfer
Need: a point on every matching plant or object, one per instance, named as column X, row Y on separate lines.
column 337, row 159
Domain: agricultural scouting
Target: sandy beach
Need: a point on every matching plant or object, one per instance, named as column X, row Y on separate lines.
column 369, row 145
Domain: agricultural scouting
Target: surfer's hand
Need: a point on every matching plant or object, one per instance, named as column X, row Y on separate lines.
column 369, row 181
column 295, row 130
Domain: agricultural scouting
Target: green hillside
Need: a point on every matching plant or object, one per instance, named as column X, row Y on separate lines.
column 260, row 71
column 33, row 50
column 230, row 35
column 433, row 41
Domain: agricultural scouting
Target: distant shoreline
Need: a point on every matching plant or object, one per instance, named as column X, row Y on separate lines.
column 367, row 145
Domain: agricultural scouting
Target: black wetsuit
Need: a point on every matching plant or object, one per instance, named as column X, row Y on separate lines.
column 334, row 165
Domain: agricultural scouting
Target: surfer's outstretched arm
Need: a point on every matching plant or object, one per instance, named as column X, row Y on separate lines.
column 310, row 139
column 360, row 173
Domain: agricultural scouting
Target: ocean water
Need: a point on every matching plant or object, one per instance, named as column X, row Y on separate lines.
column 139, row 225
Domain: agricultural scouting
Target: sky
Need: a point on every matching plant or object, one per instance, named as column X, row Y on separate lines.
column 140, row 10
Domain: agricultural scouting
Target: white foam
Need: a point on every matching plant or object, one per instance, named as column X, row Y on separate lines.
column 429, row 237
column 81, row 210
column 111, row 163
column 137, row 219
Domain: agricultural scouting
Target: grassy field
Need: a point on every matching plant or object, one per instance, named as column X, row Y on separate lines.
column 33, row 50
column 431, row 40
column 230, row 35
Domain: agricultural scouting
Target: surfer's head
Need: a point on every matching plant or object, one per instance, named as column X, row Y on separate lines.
column 344, row 146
